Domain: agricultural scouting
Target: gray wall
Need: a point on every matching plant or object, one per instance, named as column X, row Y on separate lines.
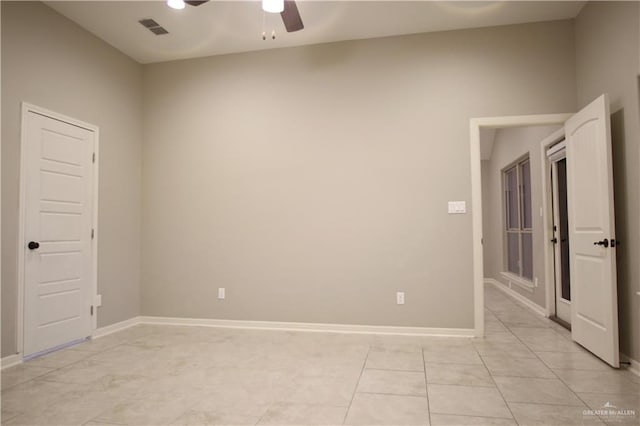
column 313, row 182
column 509, row 145
column 51, row 62
column 607, row 50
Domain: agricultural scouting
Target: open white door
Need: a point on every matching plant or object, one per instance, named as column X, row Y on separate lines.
column 594, row 305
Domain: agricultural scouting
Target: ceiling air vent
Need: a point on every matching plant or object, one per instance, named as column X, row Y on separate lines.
column 158, row 30
column 153, row 26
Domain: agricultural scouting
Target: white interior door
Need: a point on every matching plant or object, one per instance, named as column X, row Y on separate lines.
column 594, row 304
column 58, row 197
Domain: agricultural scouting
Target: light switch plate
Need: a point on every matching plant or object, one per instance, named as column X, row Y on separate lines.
column 457, row 207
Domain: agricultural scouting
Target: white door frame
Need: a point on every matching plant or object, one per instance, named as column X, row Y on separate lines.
column 475, row 125
column 93, row 290
column 547, row 221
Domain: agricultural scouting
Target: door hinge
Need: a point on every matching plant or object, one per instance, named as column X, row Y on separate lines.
column 93, row 158
column 92, row 233
column 91, row 310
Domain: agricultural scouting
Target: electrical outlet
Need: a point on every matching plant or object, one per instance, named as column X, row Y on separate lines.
column 221, row 293
column 535, row 282
column 98, row 301
column 400, row 298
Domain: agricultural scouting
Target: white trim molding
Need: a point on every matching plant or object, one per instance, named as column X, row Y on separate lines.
column 310, row 327
column 517, row 296
column 519, row 281
column 114, row 328
column 10, row 361
column 635, row 365
column 547, row 221
column 285, row 326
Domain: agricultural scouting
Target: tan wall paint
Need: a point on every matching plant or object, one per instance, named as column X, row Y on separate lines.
column 512, row 144
column 51, row 62
column 607, row 51
column 313, row 182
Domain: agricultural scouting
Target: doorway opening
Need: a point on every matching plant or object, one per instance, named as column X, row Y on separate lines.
column 478, row 126
column 513, row 224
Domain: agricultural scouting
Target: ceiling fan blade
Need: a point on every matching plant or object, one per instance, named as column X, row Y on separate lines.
column 195, row 2
column 291, row 16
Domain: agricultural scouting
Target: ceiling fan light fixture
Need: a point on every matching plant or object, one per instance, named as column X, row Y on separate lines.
column 273, row 6
column 176, row 4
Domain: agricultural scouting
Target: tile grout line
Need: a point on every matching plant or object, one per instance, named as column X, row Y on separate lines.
column 103, row 423
column 426, row 384
column 464, row 385
column 474, row 416
column 497, row 388
column 355, row 389
column 409, row 395
column 397, row 370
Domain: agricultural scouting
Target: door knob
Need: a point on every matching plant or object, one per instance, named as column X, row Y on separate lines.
column 604, row 243
column 33, row 245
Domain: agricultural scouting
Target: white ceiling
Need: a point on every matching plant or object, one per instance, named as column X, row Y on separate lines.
column 220, row 27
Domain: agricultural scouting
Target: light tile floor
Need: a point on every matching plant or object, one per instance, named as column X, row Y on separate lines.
column 525, row 371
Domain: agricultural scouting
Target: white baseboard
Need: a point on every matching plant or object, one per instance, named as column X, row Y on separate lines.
column 311, row 327
column 635, row 365
column 515, row 280
column 520, row 298
column 113, row 328
column 10, row 361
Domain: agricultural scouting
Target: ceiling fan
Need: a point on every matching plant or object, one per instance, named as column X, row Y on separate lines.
column 288, row 10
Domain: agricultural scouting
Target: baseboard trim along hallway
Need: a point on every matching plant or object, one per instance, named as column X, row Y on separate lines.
column 517, row 296
column 286, row 326
column 310, row 327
